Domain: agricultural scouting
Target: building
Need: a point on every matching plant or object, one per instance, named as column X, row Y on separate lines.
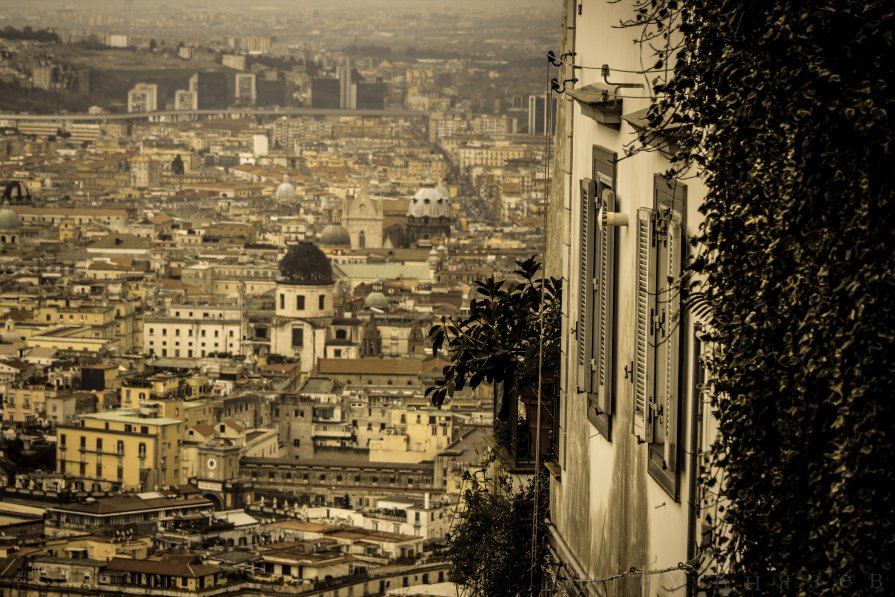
column 122, row 449
column 145, row 172
column 363, row 219
column 143, row 98
column 193, row 331
column 42, row 76
column 347, row 86
column 246, row 91
column 185, row 99
column 538, row 118
column 210, row 88
column 623, row 493
column 325, row 93
column 305, row 290
column 273, row 92
column 429, row 216
column 370, row 96
column 141, row 513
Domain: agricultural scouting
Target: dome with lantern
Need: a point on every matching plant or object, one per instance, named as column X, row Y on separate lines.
column 376, row 299
column 285, row 192
column 305, row 264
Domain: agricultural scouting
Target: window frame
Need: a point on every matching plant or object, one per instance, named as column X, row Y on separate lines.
column 660, row 349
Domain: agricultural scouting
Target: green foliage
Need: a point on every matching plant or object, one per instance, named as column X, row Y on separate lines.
column 490, row 545
column 500, row 339
column 786, row 109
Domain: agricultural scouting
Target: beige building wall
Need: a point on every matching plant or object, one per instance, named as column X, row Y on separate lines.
column 120, row 449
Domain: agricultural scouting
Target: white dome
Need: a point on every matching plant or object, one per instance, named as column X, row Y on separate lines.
column 431, row 202
column 285, row 192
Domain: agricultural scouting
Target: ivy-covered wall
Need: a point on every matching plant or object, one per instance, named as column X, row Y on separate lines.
column 788, row 108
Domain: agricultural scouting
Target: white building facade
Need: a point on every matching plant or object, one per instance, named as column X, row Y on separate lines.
column 623, row 490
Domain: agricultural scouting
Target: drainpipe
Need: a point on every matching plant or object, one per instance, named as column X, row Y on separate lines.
column 695, row 434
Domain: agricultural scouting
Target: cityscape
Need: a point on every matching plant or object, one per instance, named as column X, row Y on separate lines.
column 398, row 297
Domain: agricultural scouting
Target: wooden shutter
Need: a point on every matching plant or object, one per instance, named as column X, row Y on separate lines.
column 605, row 307
column 644, row 331
column 671, row 304
column 585, row 286
column 670, row 201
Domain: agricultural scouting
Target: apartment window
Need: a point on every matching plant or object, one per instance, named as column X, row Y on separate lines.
column 164, row 331
column 151, row 331
column 141, row 450
column 99, row 469
column 62, row 440
column 120, row 448
column 82, row 468
column 282, row 301
column 298, row 337
column 657, row 343
column 596, row 292
column 300, row 302
column 83, row 441
column 99, row 444
column 217, row 333
column 177, row 332
column 321, row 302
column 296, row 443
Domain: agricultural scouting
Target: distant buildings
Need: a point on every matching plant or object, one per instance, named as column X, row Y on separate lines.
column 326, row 93
column 538, row 117
column 246, row 90
column 143, row 98
column 210, row 88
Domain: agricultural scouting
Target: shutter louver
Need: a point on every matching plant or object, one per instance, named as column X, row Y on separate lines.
column 584, row 337
column 605, row 306
column 644, row 338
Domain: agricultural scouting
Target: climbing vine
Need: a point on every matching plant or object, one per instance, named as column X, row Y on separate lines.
column 785, row 110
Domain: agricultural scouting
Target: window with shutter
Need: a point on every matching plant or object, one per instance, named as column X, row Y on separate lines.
column 662, row 337
column 600, row 400
column 584, row 336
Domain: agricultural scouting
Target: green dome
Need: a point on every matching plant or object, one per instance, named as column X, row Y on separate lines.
column 9, row 219
column 335, row 235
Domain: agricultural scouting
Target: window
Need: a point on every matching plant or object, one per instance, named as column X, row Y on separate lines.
column 83, row 440
column 99, row 444
column 300, row 302
column 62, row 440
column 321, row 302
column 99, row 469
column 298, row 337
column 296, row 443
column 596, row 292
column 660, row 246
column 141, row 450
column 120, row 448
column 282, row 301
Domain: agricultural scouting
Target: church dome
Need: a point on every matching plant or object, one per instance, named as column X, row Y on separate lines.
column 9, row 219
column 285, row 192
column 376, row 298
column 305, row 264
column 431, row 202
column 335, row 235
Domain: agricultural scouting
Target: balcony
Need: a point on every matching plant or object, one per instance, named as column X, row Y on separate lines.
column 516, row 423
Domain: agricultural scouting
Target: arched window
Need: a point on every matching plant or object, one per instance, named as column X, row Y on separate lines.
column 361, row 240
